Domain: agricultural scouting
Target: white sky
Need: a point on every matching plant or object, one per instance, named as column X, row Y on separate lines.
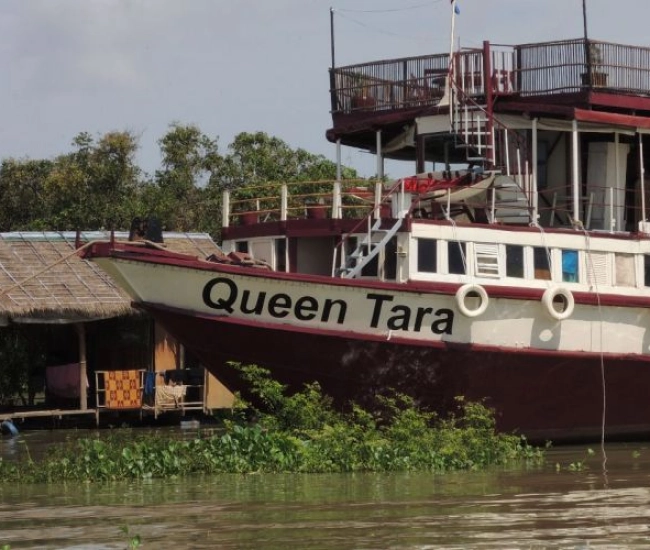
column 238, row 65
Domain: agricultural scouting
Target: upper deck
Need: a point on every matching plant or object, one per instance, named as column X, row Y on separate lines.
column 550, row 79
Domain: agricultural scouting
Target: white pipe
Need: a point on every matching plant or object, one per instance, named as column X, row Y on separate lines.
column 338, row 159
column 553, row 207
column 574, row 172
column 337, row 203
column 225, row 208
column 284, row 202
column 617, row 175
column 642, row 172
column 590, row 205
column 506, row 145
column 493, row 206
column 380, row 158
column 378, row 196
column 612, row 220
column 534, row 178
column 519, row 168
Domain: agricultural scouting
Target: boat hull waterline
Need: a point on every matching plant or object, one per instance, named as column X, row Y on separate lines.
column 545, row 378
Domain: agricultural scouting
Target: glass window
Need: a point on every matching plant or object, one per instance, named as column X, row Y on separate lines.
column 646, row 270
column 427, row 255
column 242, row 246
column 456, row 256
column 570, row 266
column 514, row 261
column 625, row 270
column 542, row 263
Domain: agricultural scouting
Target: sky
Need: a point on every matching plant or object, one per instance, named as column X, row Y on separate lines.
column 230, row 66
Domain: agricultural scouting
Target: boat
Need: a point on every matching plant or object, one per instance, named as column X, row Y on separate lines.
column 513, row 267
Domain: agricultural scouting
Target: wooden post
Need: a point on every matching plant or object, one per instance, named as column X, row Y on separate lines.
column 83, row 397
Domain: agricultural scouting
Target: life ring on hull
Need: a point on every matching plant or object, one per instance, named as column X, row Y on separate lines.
column 558, row 296
column 472, row 291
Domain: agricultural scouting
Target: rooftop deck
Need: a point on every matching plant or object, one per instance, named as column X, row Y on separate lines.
column 588, row 74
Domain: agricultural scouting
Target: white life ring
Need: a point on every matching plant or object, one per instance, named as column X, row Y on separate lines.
column 473, row 291
column 564, row 297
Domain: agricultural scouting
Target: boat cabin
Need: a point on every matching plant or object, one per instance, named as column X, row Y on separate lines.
column 529, row 162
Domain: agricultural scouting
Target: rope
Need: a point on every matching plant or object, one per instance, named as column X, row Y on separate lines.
column 602, row 356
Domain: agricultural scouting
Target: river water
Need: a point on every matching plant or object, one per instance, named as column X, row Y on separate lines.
column 570, row 502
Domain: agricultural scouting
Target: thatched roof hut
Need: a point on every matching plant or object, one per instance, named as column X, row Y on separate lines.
column 43, row 280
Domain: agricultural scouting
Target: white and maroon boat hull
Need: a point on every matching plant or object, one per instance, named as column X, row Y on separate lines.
column 358, row 338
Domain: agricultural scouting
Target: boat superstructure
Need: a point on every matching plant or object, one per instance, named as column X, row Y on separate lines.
column 513, row 266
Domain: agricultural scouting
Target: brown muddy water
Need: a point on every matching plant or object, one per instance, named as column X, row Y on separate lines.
column 546, row 507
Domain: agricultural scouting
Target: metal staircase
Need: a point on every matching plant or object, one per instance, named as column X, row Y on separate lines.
column 473, row 131
column 367, row 248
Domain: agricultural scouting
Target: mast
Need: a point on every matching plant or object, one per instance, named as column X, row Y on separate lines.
column 587, row 48
column 448, row 87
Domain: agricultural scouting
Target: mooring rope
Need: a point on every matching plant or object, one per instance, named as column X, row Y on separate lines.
column 602, row 356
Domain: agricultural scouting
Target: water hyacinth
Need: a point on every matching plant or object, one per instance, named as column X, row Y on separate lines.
column 301, row 432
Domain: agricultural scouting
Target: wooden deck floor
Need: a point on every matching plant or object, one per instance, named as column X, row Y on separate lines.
column 52, row 413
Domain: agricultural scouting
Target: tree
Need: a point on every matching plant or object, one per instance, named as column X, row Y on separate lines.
column 96, row 185
column 259, row 157
column 20, row 357
column 189, row 160
column 21, row 188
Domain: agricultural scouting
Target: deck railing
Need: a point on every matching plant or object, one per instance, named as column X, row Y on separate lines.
column 392, row 84
column 531, row 69
column 346, row 199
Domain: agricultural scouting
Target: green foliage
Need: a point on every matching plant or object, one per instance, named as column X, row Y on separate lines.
column 98, row 184
column 19, row 357
column 134, row 540
column 301, row 432
column 577, row 465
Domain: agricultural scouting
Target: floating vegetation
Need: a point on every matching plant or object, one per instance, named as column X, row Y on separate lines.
column 301, row 432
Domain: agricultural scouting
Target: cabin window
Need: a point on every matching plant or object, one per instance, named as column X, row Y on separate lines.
column 280, row 254
column 646, row 270
column 570, row 266
column 597, row 268
column 242, row 246
column 427, row 255
column 486, row 257
column 456, row 257
column 542, row 263
column 625, row 270
column 514, row 261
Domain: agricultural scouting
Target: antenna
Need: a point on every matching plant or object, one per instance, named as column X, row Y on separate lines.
column 332, row 37
column 587, row 48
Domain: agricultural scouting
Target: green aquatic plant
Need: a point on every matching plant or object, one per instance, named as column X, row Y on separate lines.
column 134, row 541
column 291, row 432
column 577, row 465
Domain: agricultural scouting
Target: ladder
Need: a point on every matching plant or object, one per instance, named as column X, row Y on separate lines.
column 367, row 248
column 472, row 129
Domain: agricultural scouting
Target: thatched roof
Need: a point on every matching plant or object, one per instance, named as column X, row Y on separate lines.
column 42, row 278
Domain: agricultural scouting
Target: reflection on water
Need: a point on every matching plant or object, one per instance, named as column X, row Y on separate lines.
column 543, row 507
